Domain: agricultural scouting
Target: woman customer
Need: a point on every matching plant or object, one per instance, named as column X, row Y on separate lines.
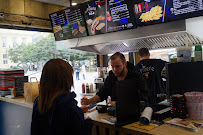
column 55, row 111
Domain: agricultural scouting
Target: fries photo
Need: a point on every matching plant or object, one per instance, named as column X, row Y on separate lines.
column 153, row 14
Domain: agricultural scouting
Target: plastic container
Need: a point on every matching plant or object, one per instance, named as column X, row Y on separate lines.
column 194, row 103
column 91, row 88
column 178, row 106
column 198, row 53
column 184, row 54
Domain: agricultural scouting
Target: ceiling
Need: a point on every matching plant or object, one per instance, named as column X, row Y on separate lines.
column 65, row 3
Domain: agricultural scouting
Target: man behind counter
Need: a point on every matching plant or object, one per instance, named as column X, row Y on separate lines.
column 121, row 70
column 151, row 70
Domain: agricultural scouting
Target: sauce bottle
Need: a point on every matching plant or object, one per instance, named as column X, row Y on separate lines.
column 83, row 88
column 87, row 88
column 91, row 88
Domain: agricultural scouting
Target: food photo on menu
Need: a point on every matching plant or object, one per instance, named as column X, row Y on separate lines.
column 159, row 11
column 149, row 11
column 94, row 13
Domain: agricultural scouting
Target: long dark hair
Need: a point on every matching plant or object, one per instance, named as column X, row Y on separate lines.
column 56, row 78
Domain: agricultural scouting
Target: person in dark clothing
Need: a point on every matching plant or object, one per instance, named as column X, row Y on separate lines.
column 55, row 111
column 151, row 70
column 121, row 70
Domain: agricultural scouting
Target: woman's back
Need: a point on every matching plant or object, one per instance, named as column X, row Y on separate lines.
column 64, row 118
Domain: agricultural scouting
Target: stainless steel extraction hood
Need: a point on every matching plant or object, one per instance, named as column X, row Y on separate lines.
column 166, row 35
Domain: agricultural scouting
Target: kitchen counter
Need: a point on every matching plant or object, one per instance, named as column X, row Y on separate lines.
column 20, row 114
column 17, row 101
column 129, row 130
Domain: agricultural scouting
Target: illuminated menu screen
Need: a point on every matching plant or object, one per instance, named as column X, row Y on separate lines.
column 94, row 12
column 68, row 23
column 157, row 11
column 119, row 15
column 103, row 16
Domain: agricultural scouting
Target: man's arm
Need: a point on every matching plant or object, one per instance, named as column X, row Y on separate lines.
column 144, row 91
column 94, row 99
column 101, row 95
column 86, row 101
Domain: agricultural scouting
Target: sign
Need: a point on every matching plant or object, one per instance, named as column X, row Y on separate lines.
column 19, row 86
column 68, row 23
column 95, row 16
column 159, row 11
column 119, row 15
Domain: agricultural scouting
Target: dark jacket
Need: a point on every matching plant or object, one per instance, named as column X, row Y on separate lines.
column 64, row 118
column 151, row 70
column 109, row 88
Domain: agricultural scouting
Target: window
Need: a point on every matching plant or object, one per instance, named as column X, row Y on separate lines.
column 24, row 41
column 3, row 42
column 5, row 61
column 14, row 41
column 4, row 56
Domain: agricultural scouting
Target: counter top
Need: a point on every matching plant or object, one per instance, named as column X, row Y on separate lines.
column 96, row 117
column 161, row 130
column 17, row 101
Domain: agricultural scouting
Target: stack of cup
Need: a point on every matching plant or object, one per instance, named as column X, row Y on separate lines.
column 178, row 106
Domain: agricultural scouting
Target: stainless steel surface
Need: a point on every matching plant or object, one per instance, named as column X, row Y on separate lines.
column 167, row 35
column 159, row 41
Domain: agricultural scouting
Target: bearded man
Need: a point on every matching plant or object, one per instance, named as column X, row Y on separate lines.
column 121, row 70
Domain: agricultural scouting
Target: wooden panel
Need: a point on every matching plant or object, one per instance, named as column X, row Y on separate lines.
column 122, row 133
column 35, row 8
column 94, row 130
column 53, row 8
column 4, row 6
column 137, row 59
column 112, row 131
column 102, row 131
column 17, row 10
column 16, row 7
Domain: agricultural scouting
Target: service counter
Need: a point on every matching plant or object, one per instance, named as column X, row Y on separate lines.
column 102, row 128
column 15, row 116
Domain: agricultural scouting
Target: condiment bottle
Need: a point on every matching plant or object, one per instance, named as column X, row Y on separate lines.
column 87, row 88
column 83, row 88
column 91, row 88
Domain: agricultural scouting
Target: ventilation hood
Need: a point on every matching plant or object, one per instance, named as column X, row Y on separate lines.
column 165, row 35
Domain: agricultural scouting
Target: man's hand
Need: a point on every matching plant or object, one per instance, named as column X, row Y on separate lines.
column 112, row 104
column 85, row 101
column 84, row 108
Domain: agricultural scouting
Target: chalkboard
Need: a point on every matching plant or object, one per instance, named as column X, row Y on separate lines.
column 19, row 86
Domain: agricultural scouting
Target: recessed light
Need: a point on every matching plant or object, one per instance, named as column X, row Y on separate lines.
column 73, row 4
column 125, row 44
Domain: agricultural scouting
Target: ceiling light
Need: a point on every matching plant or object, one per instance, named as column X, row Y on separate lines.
column 126, row 44
column 73, row 4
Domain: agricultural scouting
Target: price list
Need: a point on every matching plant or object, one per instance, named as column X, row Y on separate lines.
column 73, row 16
column 187, row 6
column 119, row 15
column 58, row 19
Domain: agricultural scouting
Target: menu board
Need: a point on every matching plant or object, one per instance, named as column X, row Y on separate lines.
column 95, row 16
column 68, row 23
column 157, row 11
column 119, row 15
